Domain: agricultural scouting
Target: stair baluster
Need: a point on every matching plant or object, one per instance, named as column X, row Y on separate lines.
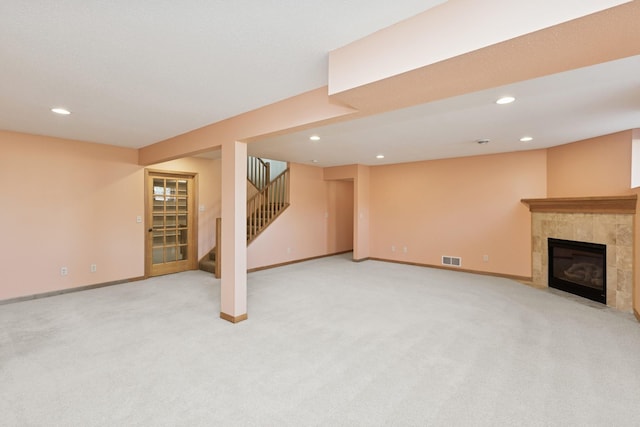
column 266, row 205
column 262, row 209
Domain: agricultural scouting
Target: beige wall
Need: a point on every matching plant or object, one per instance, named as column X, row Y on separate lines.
column 360, row 176
column 596, row 167
column 72, row 204
column 466, row 207
column 593, row 167
column 318, row 222
column 340, row 216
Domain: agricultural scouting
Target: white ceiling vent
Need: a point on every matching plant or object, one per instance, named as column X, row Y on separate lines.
column 452, row 260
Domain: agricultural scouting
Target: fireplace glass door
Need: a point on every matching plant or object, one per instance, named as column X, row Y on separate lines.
column 579, row 268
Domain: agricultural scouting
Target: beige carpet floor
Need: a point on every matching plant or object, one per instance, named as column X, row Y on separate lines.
column 328, row 342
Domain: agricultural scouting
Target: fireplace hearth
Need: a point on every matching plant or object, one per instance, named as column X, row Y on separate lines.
column 579, row 268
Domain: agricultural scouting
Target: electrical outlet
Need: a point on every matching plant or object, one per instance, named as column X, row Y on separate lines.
column 64, row 271
column 288, row 250
column 404, row 249
column 393, row 248
column 94, row 268
column 485, row 258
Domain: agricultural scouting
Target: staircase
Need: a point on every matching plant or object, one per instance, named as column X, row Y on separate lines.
column 208, row 262
column 263, row 207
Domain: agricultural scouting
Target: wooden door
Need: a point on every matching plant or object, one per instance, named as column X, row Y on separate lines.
column 171, row 244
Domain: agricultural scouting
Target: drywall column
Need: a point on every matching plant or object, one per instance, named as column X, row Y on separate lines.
column 361, row 214
column 377, row 57
column 635, row 185
column 635, row 158
column 233, row 289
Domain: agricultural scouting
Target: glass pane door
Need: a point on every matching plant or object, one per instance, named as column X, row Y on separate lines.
column 171, row 221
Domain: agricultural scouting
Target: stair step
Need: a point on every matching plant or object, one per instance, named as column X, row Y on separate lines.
column 207, row 265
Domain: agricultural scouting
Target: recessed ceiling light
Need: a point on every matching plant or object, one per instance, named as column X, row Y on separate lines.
column 526, row 139
column 314, row 161
column 62, row 111
column 505, row 100
column 380, row 156
column 314, row 138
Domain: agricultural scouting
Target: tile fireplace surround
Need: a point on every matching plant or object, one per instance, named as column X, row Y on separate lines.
column 604, row 220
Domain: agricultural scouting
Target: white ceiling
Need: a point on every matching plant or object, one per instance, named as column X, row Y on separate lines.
column 135, row 75
column 554, row 110
column 136, row 72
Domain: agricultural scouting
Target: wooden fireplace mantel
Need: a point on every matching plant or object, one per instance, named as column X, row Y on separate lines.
column 607, row 205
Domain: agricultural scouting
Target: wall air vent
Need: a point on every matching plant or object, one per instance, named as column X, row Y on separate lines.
column 452, row 261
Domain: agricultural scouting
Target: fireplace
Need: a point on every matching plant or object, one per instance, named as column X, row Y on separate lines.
column 605, row 220
column 579, row 268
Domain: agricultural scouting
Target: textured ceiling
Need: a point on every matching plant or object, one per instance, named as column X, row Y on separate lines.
column 554, row 110
column 135, row 75
column 136, row 72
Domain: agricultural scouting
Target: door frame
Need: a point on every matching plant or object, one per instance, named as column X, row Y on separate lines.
column 148, row 220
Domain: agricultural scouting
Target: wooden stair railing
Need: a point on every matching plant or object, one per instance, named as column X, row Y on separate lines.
column 267, row 205
column 258, row 172
column 262, row 209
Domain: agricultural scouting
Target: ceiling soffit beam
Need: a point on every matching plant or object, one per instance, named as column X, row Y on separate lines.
column 313, row 108
column 596, row 38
